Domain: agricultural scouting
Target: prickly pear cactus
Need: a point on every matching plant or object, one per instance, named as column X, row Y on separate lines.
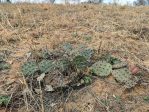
column 80, row 62
column 122, row 75
column 29, row 68
column 101, row 68
column 46, row 66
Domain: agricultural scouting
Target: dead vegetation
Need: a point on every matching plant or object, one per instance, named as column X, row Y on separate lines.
column 121, row 30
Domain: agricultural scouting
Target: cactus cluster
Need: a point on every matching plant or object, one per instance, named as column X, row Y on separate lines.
column 80, row 60
column 118, row 69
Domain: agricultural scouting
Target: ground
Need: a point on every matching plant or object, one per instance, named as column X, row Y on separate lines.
column 123, row 29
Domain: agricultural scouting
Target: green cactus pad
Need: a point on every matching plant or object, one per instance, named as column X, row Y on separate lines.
column 29, row 68
column 101, row 68
column 46, row 66
column 80, row 62
column 122, row 75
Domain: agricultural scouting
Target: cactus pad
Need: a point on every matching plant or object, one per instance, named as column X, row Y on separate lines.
column 29, row 68
column 46, row 66
column 101, row 68
column 122, row 75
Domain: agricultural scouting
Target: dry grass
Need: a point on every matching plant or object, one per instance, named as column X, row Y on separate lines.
column 122, row 29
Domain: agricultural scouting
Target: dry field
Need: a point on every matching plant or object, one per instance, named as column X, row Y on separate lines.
column 120, row 29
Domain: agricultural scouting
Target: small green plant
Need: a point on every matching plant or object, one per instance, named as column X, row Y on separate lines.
column 101, row 68
column 146, row 99
column 4, row 100
column 29, row 68
column 86, row 80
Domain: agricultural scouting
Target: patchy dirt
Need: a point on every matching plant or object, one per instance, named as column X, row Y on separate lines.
column 26, row 27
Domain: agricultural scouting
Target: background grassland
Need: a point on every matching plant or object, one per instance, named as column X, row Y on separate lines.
column 123, row 29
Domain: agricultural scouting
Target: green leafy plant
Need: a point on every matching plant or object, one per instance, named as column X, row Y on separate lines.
column 29, row 68
column 4, row 100
column 101, row 68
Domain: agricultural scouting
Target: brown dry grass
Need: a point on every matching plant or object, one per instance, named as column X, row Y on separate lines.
column 110, row 28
